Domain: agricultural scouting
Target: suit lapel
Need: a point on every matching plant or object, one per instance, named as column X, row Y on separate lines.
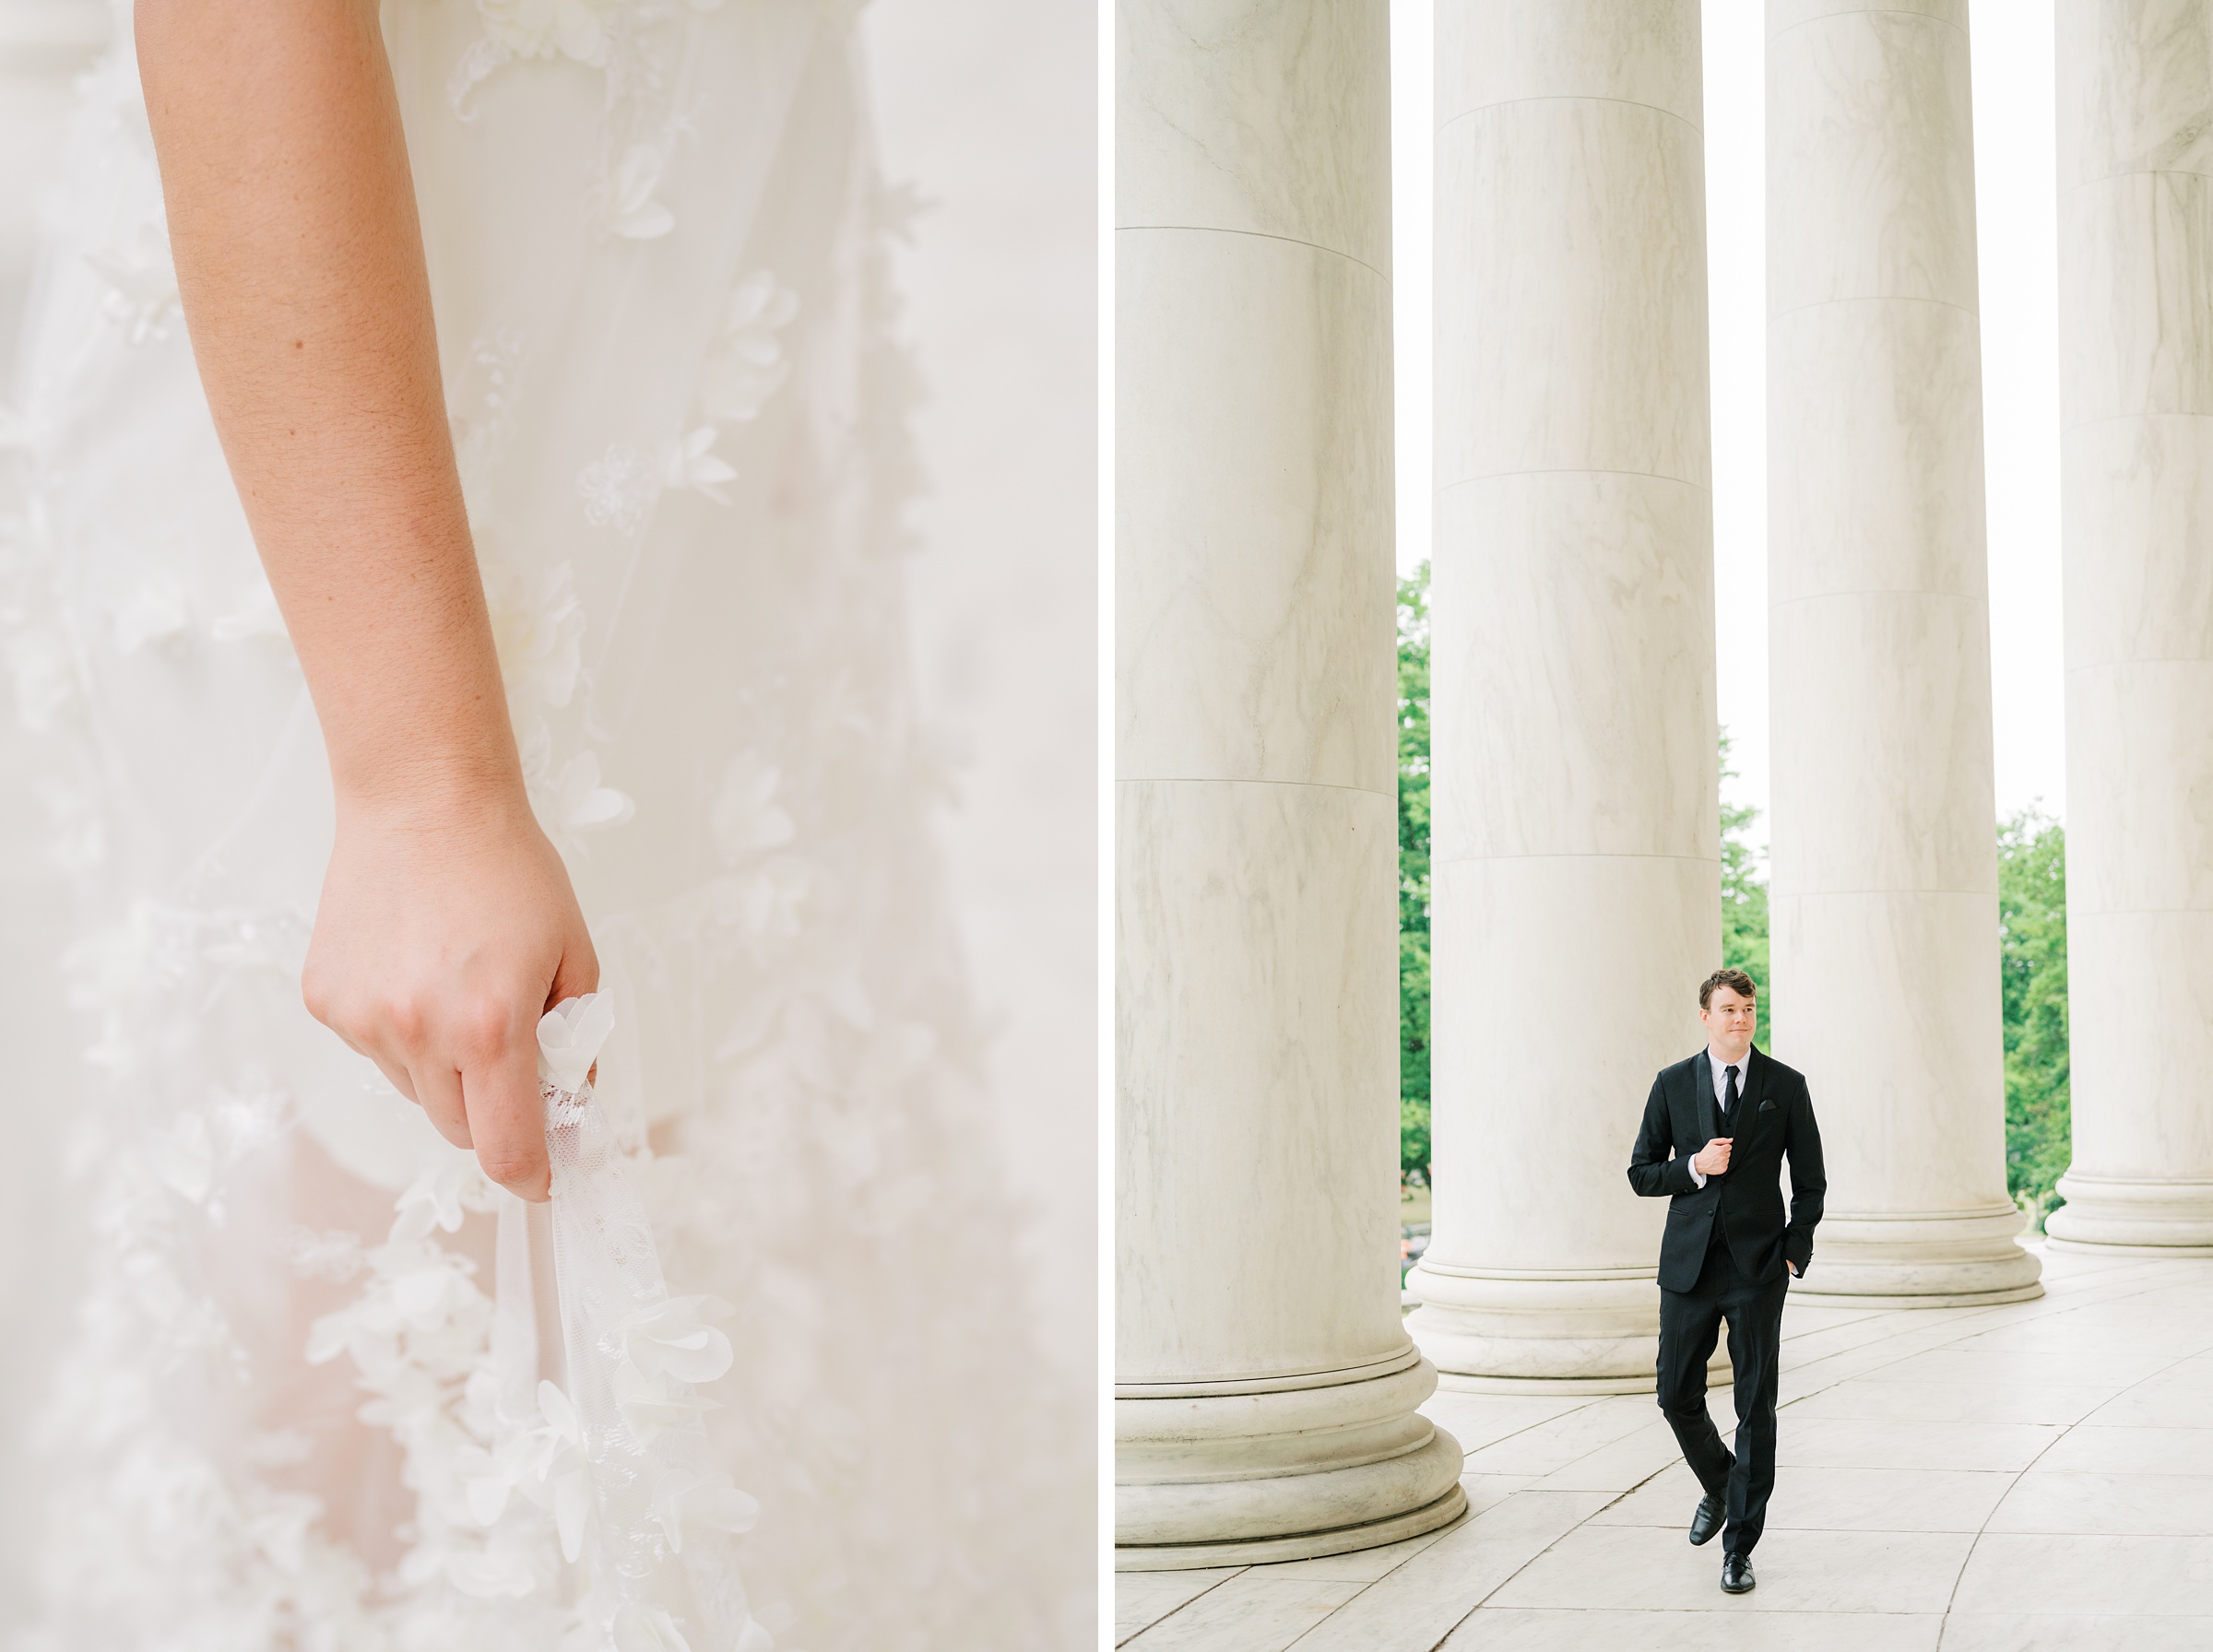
column 1701, row 1074
column 1755, row 1090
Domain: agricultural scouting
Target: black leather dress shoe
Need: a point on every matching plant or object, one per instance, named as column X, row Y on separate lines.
column 1736, row 1573
column 1707, row 1520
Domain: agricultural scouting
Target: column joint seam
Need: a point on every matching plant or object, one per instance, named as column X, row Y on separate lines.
column 1873, row 298
column 1492, row 475
column 1317, row 786
column 2068, row 430
column 1470, row 860
column 1871, row 11
column 2142, row 171
column 1313, row 246
column 1799, row 894
column 1446, row 125
column 1785, row 602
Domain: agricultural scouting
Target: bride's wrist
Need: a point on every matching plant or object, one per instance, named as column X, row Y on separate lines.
column 433, row 790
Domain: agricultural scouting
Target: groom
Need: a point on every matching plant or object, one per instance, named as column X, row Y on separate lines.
column 1729, row 1116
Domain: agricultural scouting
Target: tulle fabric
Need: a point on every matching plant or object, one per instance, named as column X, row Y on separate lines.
column 288, row 1413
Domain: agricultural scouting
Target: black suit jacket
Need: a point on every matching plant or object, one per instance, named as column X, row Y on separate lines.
column 1775, row 1119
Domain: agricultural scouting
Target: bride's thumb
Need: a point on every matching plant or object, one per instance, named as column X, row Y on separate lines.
column 577, row 973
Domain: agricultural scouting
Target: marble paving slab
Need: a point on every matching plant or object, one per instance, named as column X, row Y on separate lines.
column 2038, row 1475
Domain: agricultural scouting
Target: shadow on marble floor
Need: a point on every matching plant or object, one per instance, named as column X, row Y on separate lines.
column 1993, row 1480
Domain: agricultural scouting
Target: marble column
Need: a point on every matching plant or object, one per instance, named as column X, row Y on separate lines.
column 1266, row 1388
column 1884, row 892
column 1575, row 871
column 2136, row 329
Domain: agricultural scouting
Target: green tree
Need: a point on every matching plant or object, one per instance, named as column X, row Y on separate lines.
column 1414, row 876
column 2032, row 974
column 1745, row 902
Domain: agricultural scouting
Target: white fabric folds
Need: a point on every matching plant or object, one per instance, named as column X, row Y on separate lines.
column 604, row 1459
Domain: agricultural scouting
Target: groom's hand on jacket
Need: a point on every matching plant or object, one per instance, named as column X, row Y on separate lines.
column 1713, row 1158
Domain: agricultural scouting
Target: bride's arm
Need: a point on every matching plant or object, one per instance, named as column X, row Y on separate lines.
column 448, row 924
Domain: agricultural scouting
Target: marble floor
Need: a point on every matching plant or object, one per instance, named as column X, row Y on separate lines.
column 1974, row 1480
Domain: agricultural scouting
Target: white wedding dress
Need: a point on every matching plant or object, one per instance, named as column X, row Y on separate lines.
column 308, row 1400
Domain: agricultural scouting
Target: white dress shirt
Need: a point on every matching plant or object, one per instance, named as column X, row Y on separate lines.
column 1720, row 1095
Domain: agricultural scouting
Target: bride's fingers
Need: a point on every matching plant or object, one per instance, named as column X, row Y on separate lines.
column 438, row 1090
column 394, row 1075
column 508, row 1119
column 577, row 974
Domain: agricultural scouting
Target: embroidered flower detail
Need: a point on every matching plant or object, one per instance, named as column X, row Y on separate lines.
column 632, row 212
column 704, row 1499
column 436, row 1198
column 490, row 1574
column 45, row 678
column 154, row 614
column 81, row 839
column 619, row 490
column 333, row 1254
column 563, row 1465
column 573, row 29
column 256, row 616
column 279, row 1525
column 649, row 1407
column 745, row 816
column 770, row 899
column 18, row 433
column 894, row 1053
column 747, row 365
column 538, row 632
column 569, row 1039
column 646, row 1629
column 184, row 1159
column 482, row 399
column 671, row 1337
column 576, row 802
column 142, row 285
column 277, row 1449
column 427, row 1293
column 690, row 464
column 417, row 1291
column 105, row 968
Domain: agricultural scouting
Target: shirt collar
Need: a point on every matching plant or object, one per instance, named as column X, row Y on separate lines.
column 1721, row 1068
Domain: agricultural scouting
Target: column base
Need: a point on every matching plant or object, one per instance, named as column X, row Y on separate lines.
column 2130, row 1216
column 1944, row 1260
column 1305, row 1545
column 1208, row 1478
column 1595, row 1332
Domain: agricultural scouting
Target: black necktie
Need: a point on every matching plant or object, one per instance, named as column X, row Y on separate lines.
column 1729, row 1106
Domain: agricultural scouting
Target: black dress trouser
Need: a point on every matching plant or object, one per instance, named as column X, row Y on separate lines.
column 1689, row 1325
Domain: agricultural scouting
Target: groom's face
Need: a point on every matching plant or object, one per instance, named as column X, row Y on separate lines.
column 1731, row 1020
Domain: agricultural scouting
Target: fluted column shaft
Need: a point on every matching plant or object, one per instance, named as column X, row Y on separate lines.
column 1884, row 899
column 1575, row 873
column 2135, row 327
column 1266, row 1387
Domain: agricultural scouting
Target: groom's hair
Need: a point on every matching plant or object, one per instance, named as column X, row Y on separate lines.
column 1737, row 981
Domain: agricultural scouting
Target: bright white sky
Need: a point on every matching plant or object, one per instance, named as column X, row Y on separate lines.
column 2016, row 190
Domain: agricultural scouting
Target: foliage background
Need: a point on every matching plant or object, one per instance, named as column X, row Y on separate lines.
column 2033, row 972
column 1414, row 877
column 2033, row 924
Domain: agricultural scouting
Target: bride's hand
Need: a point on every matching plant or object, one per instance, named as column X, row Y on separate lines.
column 447, row 924
column 446, row 928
